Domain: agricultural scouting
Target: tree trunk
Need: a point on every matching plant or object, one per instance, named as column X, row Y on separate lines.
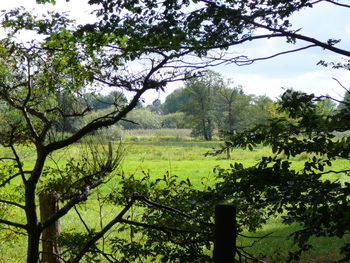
column 50, row 246
column 32, row 224
column 33, row 245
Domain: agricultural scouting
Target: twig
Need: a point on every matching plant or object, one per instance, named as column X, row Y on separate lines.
column 81, row 219
column 341, row 85
column 100, row 234
column 167, row 230
column 171, row 209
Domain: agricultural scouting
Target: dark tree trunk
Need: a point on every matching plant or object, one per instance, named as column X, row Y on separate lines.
column 32, row 224
column 50, row 246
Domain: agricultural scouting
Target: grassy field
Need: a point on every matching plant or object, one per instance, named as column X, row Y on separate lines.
column 185, row 157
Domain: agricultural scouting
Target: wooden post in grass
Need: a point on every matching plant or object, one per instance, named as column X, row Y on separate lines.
column 225, row 233
column 50, row 248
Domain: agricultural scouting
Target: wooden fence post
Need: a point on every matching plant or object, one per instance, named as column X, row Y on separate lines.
column 50, row 248
column 225, row 233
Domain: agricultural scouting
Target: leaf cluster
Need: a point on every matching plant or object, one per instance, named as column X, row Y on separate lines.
column 273, row 187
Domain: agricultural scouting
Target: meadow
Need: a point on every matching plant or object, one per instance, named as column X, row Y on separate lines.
column 160, row 151
column 185, row 157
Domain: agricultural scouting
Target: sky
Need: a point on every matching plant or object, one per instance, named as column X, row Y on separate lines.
column 269, row 77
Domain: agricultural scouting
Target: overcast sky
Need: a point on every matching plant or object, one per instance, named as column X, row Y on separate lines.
column 269, row 77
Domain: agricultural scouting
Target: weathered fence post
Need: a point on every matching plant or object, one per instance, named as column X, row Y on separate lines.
column 50, row 248
column 225, row 233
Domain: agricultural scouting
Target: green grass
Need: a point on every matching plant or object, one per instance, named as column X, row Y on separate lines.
column 185, row 157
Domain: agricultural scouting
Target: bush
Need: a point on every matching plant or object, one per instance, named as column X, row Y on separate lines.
column 142, row 119
column 174, row 120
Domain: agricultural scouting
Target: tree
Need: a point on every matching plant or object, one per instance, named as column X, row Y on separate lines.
column 236, row 110
column 226, row 100
column 258, row 111
column 174, row 101
column 210, row 101
column 66, row 59
column 142, row 118
column 313, row 196
column 156, row 106
column 201, row 93
column 215, row 25
column 175, row 120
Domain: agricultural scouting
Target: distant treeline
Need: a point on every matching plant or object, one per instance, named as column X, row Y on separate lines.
column 207, row 104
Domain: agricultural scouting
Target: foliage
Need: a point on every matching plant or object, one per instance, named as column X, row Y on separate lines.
column 175, row 120
column 206, row 25
column 210, row 102
column 199, row 106
column 142, row 118
column 273, row 186
column 172, row 226
column 174, row 101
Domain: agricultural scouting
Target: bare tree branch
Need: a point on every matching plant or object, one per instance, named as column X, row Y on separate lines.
column 100, row 234
column 167, row 230
column 338, row 4
column 12, row 203
column 327, row 46
column 10, row 223
column 3, row 183
column 170, row 209
column 148, row 84
column 341, row 85
column 17, row 158
column 250, row 61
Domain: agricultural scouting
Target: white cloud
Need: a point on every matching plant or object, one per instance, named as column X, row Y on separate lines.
column 320, row 82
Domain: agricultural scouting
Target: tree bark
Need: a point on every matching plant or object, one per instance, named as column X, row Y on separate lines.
column 50, row 246
column 32, row 224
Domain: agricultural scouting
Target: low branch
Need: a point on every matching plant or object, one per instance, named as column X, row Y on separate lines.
column 242, row 253
column 260, row 237
column 100, row 234
column 73, row 201
column 167, row 230
column 12, row 203
column 9, row 179
column 334, row 172
column 10, row 223
column 95, row 125
column 55, row 255
column 171, row 209
column 82, row 219
column 7, row 158
column 17, row 159
column 14, row 231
